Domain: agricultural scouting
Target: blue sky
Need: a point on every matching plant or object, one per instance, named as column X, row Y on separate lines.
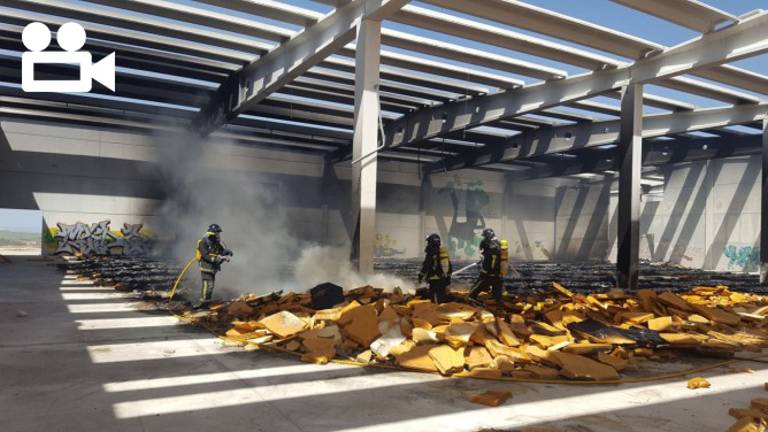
column 21, row 220
column 605, row 13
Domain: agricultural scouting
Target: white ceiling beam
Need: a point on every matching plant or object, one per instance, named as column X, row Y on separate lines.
column 745, row 39
column 280, row 66
column 573, row 137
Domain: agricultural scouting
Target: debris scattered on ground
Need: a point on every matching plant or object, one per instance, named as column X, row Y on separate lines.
column 698, row 383
column 123, row 272
column 491, row 398
column 542, row 335
column 21, row 314
column 752, row 419
column 588, row 277
column 560, row 334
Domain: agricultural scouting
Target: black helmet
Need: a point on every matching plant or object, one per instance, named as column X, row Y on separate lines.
column 488, row 234
column 214, row 229
column 433, row 239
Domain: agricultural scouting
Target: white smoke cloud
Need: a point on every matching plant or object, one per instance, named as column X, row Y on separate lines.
column 204, row 185
column 202, row 188
column 319, row 264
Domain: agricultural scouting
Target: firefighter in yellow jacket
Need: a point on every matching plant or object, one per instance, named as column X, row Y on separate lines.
column 436, row 269
column 210, row 253
column 493, row 267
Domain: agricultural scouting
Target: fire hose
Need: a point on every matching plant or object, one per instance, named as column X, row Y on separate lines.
column 181, row 276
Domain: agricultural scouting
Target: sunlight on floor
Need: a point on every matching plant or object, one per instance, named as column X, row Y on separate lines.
column 118, row 323
column 146, row 384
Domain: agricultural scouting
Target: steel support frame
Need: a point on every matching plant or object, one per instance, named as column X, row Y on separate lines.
column 592, row 134
column 364, row 144
column 257, row 80
column 764, row 209
column 654, row 154
column 742, row 40
column 630, row 153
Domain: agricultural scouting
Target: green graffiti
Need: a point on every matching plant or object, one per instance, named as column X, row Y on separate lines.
column 746, row 257
column 464, row 236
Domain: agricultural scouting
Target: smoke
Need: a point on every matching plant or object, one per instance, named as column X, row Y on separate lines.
column 203, row 186
column 319, row 264
column 206, row 181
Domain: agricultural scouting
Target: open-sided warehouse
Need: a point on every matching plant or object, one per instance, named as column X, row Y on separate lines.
column 308, row 215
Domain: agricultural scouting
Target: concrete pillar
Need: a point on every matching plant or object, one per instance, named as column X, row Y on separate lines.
column 764, row 210
column 364, row 144
column 630, row 164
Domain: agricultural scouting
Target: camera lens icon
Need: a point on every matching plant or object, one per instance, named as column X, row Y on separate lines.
column 71, row 37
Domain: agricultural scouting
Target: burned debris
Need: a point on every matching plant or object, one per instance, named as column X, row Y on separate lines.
column 125, row 273
column 592, row 276
column 549, row 336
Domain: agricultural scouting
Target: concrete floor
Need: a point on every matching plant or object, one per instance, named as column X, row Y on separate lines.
column 89, row 359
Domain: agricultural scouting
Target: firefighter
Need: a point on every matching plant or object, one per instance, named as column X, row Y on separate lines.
column 436, row 269
column 210, row 253
column 490, row 268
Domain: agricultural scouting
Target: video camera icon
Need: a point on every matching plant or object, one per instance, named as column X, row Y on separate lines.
column 71, row 37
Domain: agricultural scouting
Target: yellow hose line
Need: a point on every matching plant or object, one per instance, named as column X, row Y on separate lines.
column 181, row 276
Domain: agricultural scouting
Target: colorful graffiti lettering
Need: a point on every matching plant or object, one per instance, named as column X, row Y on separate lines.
column 464, row 237
column 745, row 257
column 385, row 247
column 98, row 239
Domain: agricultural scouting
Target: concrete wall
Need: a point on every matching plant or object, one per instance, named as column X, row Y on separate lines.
column 88, row 174
column 581, row 231
column 708, row 217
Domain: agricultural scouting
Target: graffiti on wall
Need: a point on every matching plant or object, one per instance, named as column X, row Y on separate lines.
column 386, row 246
column 464, row 234
column 98, row 239
column 746, row 258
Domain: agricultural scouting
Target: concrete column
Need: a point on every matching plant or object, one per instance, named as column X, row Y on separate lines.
column 630, row 164
column 364, row 144
column 764, row 210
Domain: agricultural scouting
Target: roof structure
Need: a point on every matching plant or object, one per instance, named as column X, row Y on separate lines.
column 273, row 74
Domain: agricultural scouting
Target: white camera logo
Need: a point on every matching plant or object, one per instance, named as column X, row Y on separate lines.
column 71, row 36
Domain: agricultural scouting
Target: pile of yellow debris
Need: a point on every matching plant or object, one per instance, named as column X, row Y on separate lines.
column 752, row 419
column 561, row 334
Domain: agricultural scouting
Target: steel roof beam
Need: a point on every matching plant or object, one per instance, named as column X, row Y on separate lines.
column 256, row 81
column 94, row 119
column 466, row 54
column 467, row 29
column 748, row 38
column 654, row 154
column 540, row 20
column 132, row 37
column 444, row 77
column 204, row 17
column 691, row 14
column 567, row 138
column 270, row 9
column 85, row 12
